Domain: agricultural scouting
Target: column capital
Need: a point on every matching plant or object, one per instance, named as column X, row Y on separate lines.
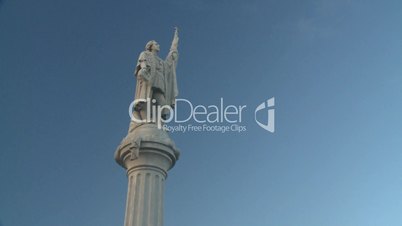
column 147, row 147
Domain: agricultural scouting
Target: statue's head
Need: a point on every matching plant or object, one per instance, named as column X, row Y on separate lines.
column 152, row 46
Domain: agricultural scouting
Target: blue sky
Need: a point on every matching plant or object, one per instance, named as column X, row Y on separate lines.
column 334, row 68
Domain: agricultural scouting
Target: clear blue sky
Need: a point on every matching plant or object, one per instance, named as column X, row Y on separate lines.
column 334, row 67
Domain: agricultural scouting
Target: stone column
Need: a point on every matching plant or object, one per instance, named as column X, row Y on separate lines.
column 145, row 198
column 147, row 153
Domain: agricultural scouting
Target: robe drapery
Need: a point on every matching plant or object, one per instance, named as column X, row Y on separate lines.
column 159, row 75
column 171, row 91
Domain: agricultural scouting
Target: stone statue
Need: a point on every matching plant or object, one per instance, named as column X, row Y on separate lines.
column 156, row 78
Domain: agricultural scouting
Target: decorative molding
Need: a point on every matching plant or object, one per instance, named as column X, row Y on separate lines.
column 135, row 149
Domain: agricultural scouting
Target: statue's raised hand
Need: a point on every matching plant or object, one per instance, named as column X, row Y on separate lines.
column 175, row 41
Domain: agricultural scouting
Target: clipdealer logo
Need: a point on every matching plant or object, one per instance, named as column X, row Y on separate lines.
column 187, row 117
column 269, row 104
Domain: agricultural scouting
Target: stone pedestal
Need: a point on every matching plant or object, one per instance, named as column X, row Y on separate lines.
column 147, row 153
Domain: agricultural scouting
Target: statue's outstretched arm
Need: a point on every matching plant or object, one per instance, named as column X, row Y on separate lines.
column 173, row 53
column 175, row 41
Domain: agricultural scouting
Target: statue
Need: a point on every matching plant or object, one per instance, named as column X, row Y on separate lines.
column 147, row 152
column 156, row 79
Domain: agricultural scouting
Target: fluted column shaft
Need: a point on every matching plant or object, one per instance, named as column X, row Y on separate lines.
column 145, row 198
